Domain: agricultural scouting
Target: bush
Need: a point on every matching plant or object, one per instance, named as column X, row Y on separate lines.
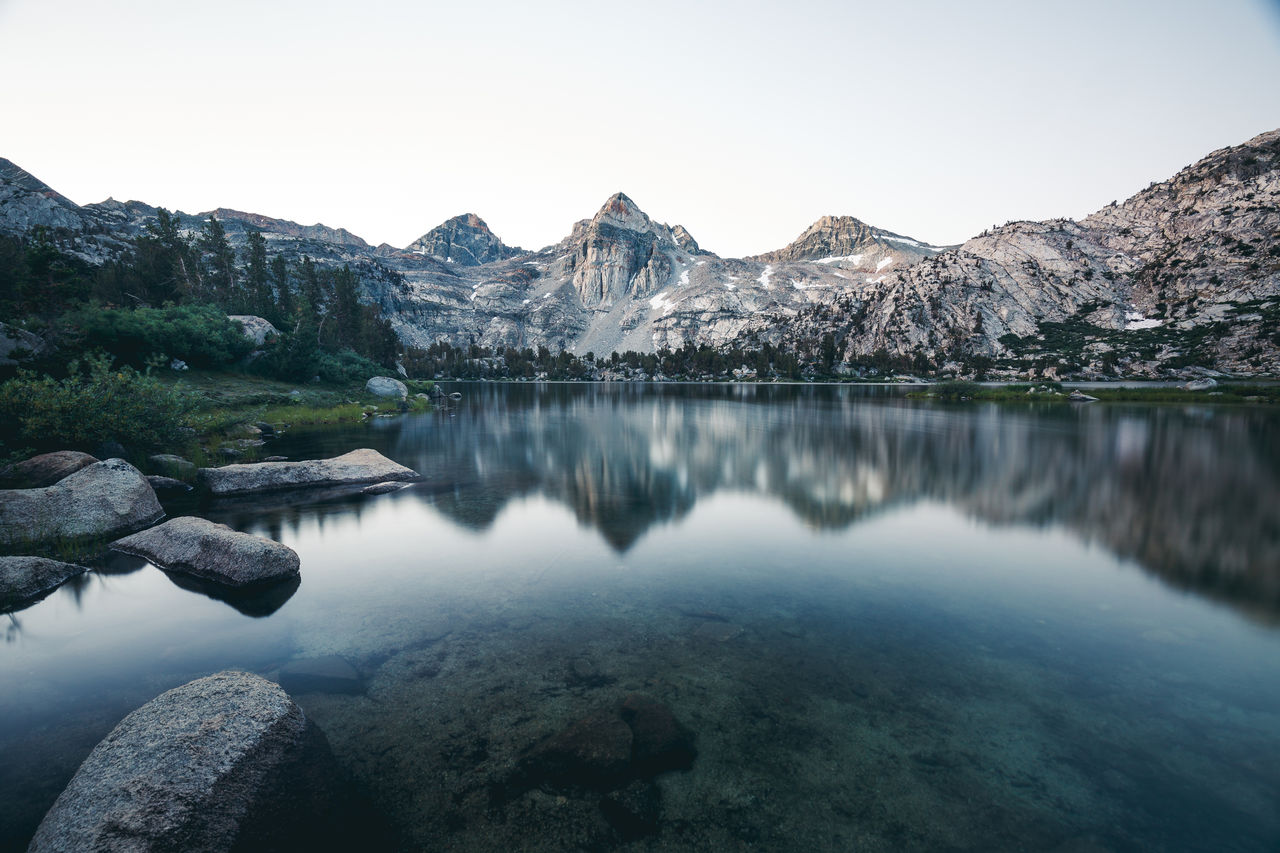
column 957, row 390
column 95, row 403
column 200, row 335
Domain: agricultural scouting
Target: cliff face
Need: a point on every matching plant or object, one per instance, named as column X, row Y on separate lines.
column 1185, row 272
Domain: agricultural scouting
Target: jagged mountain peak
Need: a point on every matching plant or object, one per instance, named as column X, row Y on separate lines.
column 846, row 236
column 465, row 239
column 27, row 202
column 621, row 212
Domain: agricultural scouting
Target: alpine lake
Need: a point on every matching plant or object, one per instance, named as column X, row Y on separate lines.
column 889, row 623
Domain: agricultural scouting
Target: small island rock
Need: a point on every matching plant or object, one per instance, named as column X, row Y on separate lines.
column 24, row 579
column 100, row 500
column 215, row 552
column 358, row 466
column 224, row 762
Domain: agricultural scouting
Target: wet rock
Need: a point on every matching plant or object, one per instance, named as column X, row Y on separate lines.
column 275, row 459
column 169, row 465
column 212, row 551
column 167, row 485
column 329, row 674
column 44, row 470
column 659, row 742
column 265, row 428
column 593, row 752
column 383, row 488
column 223, row 762
column 358, row 466
column 25, row 579
column 635, row 810
column 1079, row 396
column 385, row 386
column 100, row 500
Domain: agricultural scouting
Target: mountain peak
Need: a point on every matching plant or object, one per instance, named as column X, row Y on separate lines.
column 846, row 236
column 621, row 212
column 465, row 239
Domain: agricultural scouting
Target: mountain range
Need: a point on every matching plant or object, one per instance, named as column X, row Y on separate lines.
column 1183, row 275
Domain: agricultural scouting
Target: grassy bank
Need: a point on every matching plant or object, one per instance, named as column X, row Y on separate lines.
column 1053, row 392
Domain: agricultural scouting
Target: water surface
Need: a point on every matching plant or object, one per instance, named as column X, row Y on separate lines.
column 892, row 624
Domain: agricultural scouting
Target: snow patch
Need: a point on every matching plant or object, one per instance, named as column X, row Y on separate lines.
column 764, row 276
column 1137, row 321
column 853, row 259
column 684, row 278
column 884, row 262
column 661, row 303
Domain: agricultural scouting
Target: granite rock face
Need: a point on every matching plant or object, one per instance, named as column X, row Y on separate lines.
column 212, row 552
column 226, row 762
column 844, row 238
column 24, row 579
column 100, row 500
column 358, row 466
column 463, row 240
column 44, row 470
column 26, row 201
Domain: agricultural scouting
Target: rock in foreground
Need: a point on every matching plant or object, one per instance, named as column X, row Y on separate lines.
column 358, row 466
column 24, row 579
column 44, row 470
column 221, row 763
column 101, row 500
column 385, row 386
column 197, row 546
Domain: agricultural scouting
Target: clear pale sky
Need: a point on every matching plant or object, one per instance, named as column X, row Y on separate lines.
column 744, row 121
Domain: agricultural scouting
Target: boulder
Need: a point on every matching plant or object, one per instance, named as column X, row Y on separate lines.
column 386, row 386
column 1079, row 396
column 1205, row 384
column 167, row 485
column 101, row 500
column 168, row 465
column 18, row 344
column 358, row 466
column 225, row 762
column 255, row 329
column 329, row 674
column 24, row 579
column 214, row 552
column 44, row 470
column 593, row 752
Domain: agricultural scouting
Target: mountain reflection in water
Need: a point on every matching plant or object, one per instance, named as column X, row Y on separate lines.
column 1189, row 493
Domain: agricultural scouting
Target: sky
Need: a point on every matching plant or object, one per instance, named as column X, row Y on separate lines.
column 744, row 121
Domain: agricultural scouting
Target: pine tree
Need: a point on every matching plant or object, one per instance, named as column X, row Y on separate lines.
column 255, row 263
column 285, row 306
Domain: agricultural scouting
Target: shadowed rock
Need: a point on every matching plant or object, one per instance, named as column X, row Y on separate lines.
column 226, row 762
column 169, row 465
column 660, row 743
column 329, row 674
column 167, row 485
column 593, row 752
column 25, row 579
column 212, row 551
column 101, row 500
column 44, row 470
column 358, row 466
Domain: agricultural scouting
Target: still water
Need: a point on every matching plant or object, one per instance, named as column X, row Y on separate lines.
column 891, row 624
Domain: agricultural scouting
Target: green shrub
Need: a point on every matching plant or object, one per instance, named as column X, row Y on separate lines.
column 200, row 335
column 95, row 403
column 957, row 390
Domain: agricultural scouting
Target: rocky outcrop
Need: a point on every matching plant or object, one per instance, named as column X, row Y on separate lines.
column 18, row 345
column 620, row 254
column 26, row 202
column 256, row 329
column 834, row 238
column 463, row 240
column 358, row 466
column 212, row 552
column 102, row 500
column 25, row 579
column 385, row 386
column 226, row 762
column 44, row 470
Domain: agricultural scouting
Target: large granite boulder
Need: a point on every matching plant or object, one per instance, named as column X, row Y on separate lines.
column 358, row 466
column 254, row 328
column 101, row 500
column 385, row 386
column 226, row 762
column 24, row 579
column 215, row 552
column 44, row 470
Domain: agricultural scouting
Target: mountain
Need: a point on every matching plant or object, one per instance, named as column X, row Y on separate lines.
column 464, row 240
column 1185, row 273
column 843, row 238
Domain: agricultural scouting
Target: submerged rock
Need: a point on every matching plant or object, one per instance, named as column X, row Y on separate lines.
column 383, row 488
column 24, row 579
column 100, row 500
column 223, row 762
column 358, row 466
column 660, row 743
column 329, row 674
column 44, row 470
column 212, row 551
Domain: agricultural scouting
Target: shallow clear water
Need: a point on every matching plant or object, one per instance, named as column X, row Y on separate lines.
column 891, row 624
